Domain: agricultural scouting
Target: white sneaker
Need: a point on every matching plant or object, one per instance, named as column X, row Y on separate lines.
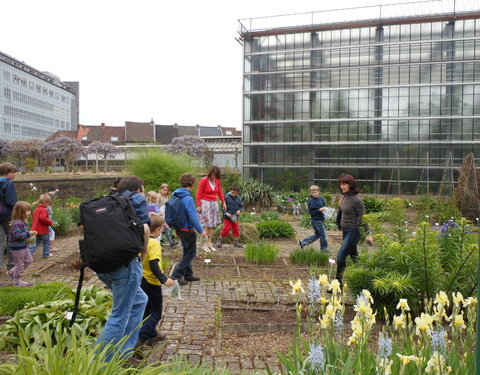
column 211, row 247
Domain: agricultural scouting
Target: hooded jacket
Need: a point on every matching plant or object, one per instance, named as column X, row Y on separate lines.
column 8, row 198
column 192, row 221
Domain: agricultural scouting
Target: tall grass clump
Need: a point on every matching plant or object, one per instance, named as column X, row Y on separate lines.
column 275, row 229
column 257, row 195
column 261, row 253
column 309, row 257
column 159, row 166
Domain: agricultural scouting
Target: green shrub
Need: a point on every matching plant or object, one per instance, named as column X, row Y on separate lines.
column 261, row 253
column 306, row 221
column 230, row 178
column 257, row 195
column 269, row 215
column 247, row 217
column 275, row 229
column 330, row 224
column 248, row 233
column 373, row 204
column 13, row 298
column 29, row 164
column 157, row 167
column 62, row 220
column 309, row 257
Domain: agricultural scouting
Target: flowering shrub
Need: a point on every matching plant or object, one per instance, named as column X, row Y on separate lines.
column 439, row 341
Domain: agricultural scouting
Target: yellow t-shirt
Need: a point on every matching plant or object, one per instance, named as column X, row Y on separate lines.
column 154, row 251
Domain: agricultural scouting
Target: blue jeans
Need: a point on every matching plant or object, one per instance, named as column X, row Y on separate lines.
column 45, row 238
column 319, row 233
column 351, row 236
column 153, row 311
column 189, row 244
column 129, row 303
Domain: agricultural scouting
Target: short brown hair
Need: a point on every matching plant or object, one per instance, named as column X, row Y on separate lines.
column 187, row 180
column 130, row 183
column 6, row 168
column 156, row 221
column 20, row 210
column 214, row 171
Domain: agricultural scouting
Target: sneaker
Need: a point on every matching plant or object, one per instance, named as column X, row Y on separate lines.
column 48, row 256
column 192, row 278
column 212, row 248
column 300, row 244
column 180, row 281
column 218, row 244
column 23, row 283
column 206, row 248
column 237, row 244
column 154, row 340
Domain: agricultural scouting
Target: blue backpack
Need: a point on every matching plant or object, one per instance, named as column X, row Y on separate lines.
column 175, row 212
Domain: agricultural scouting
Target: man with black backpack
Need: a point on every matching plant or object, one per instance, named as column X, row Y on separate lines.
column 181, row 214
column 129, row 300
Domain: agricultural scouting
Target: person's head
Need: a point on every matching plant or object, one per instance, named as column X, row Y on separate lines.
column 21, row 210
column 8, row 170
column 151, row 197
column 347, row 184
column 214, row 172
column 131, row 183
column 116, row 182
column 234, row 190
column 156, row 224
column 187, row 180
column 44, row 200
column 164, row 190
column 314, row 191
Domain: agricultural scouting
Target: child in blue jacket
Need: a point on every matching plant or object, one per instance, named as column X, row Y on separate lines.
column 316, row 206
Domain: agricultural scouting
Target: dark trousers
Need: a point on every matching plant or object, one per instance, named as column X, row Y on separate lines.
column 189, row 244
column 351, row 236
column 153, row 310
column 319, row 233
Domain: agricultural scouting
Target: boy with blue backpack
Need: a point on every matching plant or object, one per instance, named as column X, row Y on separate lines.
column 181, row 214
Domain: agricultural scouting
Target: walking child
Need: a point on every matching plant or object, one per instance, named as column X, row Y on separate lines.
column 40, row 224
column 51, row 232
column 162, row 198
column 316, row 206
column 17, row 235
column 230, row 217
column 152, row 278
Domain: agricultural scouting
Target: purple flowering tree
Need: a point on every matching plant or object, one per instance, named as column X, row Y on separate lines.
column 26, row 149
column 4, row 149
column 194, row 147
column 64, row 148
column 103, row 150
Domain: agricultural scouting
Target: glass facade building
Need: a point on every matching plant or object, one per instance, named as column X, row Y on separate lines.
column 34, row 104
column 390, row 101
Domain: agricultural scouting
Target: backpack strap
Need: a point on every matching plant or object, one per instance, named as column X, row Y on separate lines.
column 77, row 296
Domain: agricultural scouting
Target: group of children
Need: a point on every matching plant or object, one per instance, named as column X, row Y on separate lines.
column 18, row 233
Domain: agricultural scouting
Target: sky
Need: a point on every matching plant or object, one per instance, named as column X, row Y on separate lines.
column 170, row 61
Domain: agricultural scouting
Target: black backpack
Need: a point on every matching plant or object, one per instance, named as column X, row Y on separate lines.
column 112, row 236
column 175, row 212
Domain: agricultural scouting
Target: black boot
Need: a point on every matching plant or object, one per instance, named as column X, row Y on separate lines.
column 340, row 268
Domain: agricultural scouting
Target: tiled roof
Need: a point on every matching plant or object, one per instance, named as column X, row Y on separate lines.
column 184, row 130
column 138, row 132
column 106, row 134
column 165, row 133
column 63, row 133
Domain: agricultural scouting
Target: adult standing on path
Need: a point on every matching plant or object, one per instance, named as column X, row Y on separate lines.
column 209, row 189
column 8, row 198
column 349, row 219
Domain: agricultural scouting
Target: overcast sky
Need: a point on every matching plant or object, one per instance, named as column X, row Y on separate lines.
column 173, row 61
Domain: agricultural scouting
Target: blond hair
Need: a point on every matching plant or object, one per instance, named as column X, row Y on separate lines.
column 44, row 199
column 315, row 188
column 156, row 221
column 151, row 197
column 20, row 210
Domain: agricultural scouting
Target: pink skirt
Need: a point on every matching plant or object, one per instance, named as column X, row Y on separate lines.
column 209, row 217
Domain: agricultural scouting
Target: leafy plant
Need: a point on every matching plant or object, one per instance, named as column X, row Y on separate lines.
column 373, row 204
column 229, row 178
column 275, row 229
column 309, row 257
column 62, row 220
column 257, row 195
column 269, row 215
column 261, row 253
column 13, row 298
column 156, row 167
column 248, row 217
column 306, row 221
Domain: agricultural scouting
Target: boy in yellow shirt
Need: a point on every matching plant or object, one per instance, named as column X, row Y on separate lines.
column 152, row 278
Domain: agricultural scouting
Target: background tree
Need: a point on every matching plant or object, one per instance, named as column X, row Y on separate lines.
column 192, row 146
column 4, row 149
column 29, row 149
column 64, row 148
column 104, row 150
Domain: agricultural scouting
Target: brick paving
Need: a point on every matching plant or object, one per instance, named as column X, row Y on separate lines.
column 188, row 322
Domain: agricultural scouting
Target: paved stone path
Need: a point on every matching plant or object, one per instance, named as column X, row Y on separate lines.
column 188, row 322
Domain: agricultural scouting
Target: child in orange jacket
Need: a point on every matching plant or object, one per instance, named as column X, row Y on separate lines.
column 40, row 224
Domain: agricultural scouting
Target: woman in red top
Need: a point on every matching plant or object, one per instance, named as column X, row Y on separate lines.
column 209, row 189
column 40, row 223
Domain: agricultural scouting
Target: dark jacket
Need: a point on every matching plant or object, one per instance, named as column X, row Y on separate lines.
column 17, row 234
column 140, row 206
column 233, row 204
column 8, row 198
column 192, row 221
column 314, row 205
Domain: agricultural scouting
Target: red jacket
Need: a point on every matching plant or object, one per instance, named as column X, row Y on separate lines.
column 206, row 193
column 40, row 220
